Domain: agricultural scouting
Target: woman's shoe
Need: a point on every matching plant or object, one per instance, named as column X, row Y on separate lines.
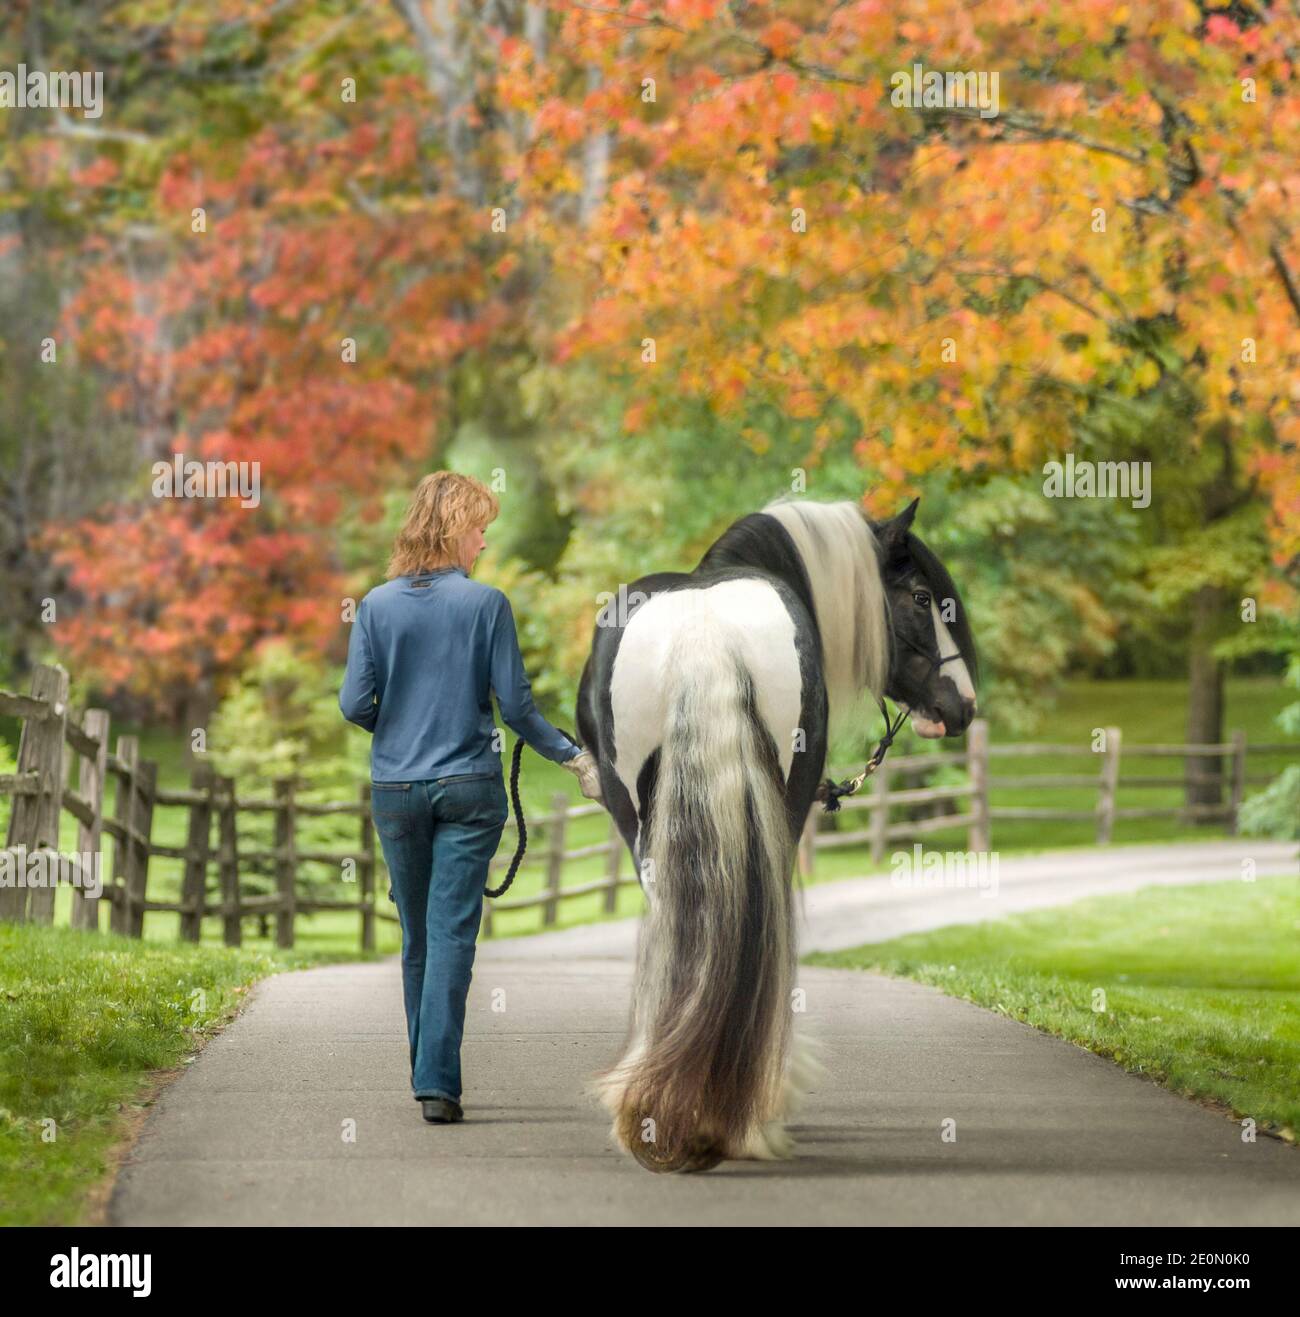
column 441, row 1111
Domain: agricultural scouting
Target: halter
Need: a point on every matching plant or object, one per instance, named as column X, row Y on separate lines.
column 830, row 793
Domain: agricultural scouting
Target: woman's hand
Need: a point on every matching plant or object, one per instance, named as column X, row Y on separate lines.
column 583, row 767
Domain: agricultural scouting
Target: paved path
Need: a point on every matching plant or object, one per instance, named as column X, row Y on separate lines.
column 1047, row 1133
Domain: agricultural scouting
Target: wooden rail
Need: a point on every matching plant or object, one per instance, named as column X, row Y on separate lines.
column 979, row 815
column 216, row 868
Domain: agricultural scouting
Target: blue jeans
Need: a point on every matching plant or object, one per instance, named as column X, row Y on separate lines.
column 438, row 838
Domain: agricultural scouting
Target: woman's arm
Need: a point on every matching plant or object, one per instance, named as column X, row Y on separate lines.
column 358, row 699
column 515, row 695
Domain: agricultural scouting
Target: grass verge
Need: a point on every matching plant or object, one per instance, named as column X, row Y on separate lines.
column 91, row 1028
column 1197, row 988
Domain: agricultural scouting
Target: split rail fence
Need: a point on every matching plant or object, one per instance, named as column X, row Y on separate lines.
column 967, row 806
column 215, row 872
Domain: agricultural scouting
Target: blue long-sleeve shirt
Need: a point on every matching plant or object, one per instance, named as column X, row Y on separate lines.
column 425, row 653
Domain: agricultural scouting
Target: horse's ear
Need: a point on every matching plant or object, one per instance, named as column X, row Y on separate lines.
column 893, row 533
column 908, row 515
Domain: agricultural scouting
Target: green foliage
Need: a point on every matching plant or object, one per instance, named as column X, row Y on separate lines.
column 1038, row 609
column 1271, row 633
column 1204, row 526
column 282, row 720
column 1275, row 812
column 1228, row 553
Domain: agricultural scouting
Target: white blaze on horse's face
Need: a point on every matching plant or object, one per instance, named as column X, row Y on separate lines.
column 956, row 671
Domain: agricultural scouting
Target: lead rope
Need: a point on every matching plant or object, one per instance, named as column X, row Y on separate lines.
column 831, row 793
column 522, row 828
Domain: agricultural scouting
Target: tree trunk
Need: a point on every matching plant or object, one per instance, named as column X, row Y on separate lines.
column 1205, row 697
column 200, row 704
column 595, row 161
column 444, row 42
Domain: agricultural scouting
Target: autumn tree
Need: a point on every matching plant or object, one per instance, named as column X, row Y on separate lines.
column 953, row 290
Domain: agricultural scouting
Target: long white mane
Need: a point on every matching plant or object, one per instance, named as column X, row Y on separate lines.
column 839, row 553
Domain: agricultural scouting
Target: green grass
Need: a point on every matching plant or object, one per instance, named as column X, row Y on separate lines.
column 83, row 1023
column 1199, row 986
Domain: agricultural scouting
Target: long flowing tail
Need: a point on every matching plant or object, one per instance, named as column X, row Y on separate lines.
column 705, row 1072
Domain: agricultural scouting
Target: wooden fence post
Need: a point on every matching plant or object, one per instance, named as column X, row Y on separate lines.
column 367, row 871
column 555, row 858
column 613, row 861
column 90, row 787
column 70, row 719
column 1238, row 739
column 232, row 925
column 124, row 810
column 137, row 874
column 34, row 820
column 979, row 835
column 286, row 862
column 1108, row 786
column 880, row 813
column 198, row 846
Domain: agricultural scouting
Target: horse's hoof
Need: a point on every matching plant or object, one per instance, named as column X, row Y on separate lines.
column 705, row 1159
column 699, row 1155
column 649, row 1156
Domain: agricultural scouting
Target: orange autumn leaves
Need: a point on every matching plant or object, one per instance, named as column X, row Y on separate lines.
column 787, row 237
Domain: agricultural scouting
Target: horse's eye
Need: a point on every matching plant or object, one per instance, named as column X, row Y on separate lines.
column 921, row 598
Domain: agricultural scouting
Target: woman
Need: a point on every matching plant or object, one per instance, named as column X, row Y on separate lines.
column 426, row 649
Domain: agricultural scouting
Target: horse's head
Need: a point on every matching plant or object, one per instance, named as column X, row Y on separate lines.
column 932, row 667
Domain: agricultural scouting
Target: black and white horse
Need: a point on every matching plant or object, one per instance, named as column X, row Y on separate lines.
column 709, row 704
